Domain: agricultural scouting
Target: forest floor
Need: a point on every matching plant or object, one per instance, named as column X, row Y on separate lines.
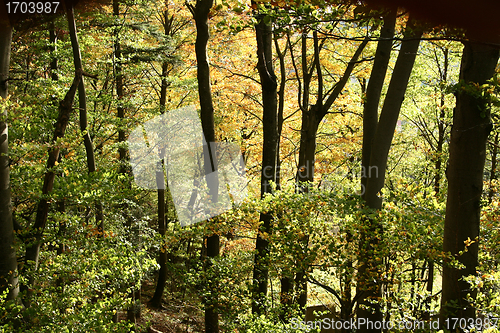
column 177, row 315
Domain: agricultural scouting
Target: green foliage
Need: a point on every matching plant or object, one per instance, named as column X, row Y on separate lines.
column 81, row 288
column 85, row 277
column 319, row 233
column 487, row 93
column 487, row 281
column 269, row 323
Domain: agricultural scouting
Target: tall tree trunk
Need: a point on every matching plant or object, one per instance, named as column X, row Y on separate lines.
column 281, row 102
column 164, row 195
column 162, row 206
column 53, row 48
column 438, row 165
column 264, row 36
column 369, row 284
column 82, row 104
column 469, row 134
column 8, row 260
column 286, row 279
column 371, row 104
column 200, row 13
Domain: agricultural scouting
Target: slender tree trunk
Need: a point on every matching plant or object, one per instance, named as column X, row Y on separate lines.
column 285, row 281
column 82, row 104
column 264, row 36
column 438, row 164
column 164, row 196
column 8, row 260
column 469, row 134
column 162, row 256
column 369, row 284
column 200, row 13
column 493, row 172
column 441, row 126
column 281, row 103
column 382, row 139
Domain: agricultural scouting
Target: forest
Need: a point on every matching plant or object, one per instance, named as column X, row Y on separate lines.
column 249, row 166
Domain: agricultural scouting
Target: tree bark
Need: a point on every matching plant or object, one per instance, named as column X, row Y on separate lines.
column 390, row 113
column 369, row 284
column 8, row 260
column 438, row 164
column 469, row 134
column 438, row 159
column 264, row 36
column 53, row 47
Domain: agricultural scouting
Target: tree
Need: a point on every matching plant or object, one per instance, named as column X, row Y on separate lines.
column 369, row 292
column 82, row 104
column 469, row 135
column 33, row 248
column 65, row 108
column 432, row 120
column 374, row 91
column 200, row 13
column 8, row 259
column 160, row 179
column 171, row 25
column 312, row 115
column 270, row 154
column 134, row 311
